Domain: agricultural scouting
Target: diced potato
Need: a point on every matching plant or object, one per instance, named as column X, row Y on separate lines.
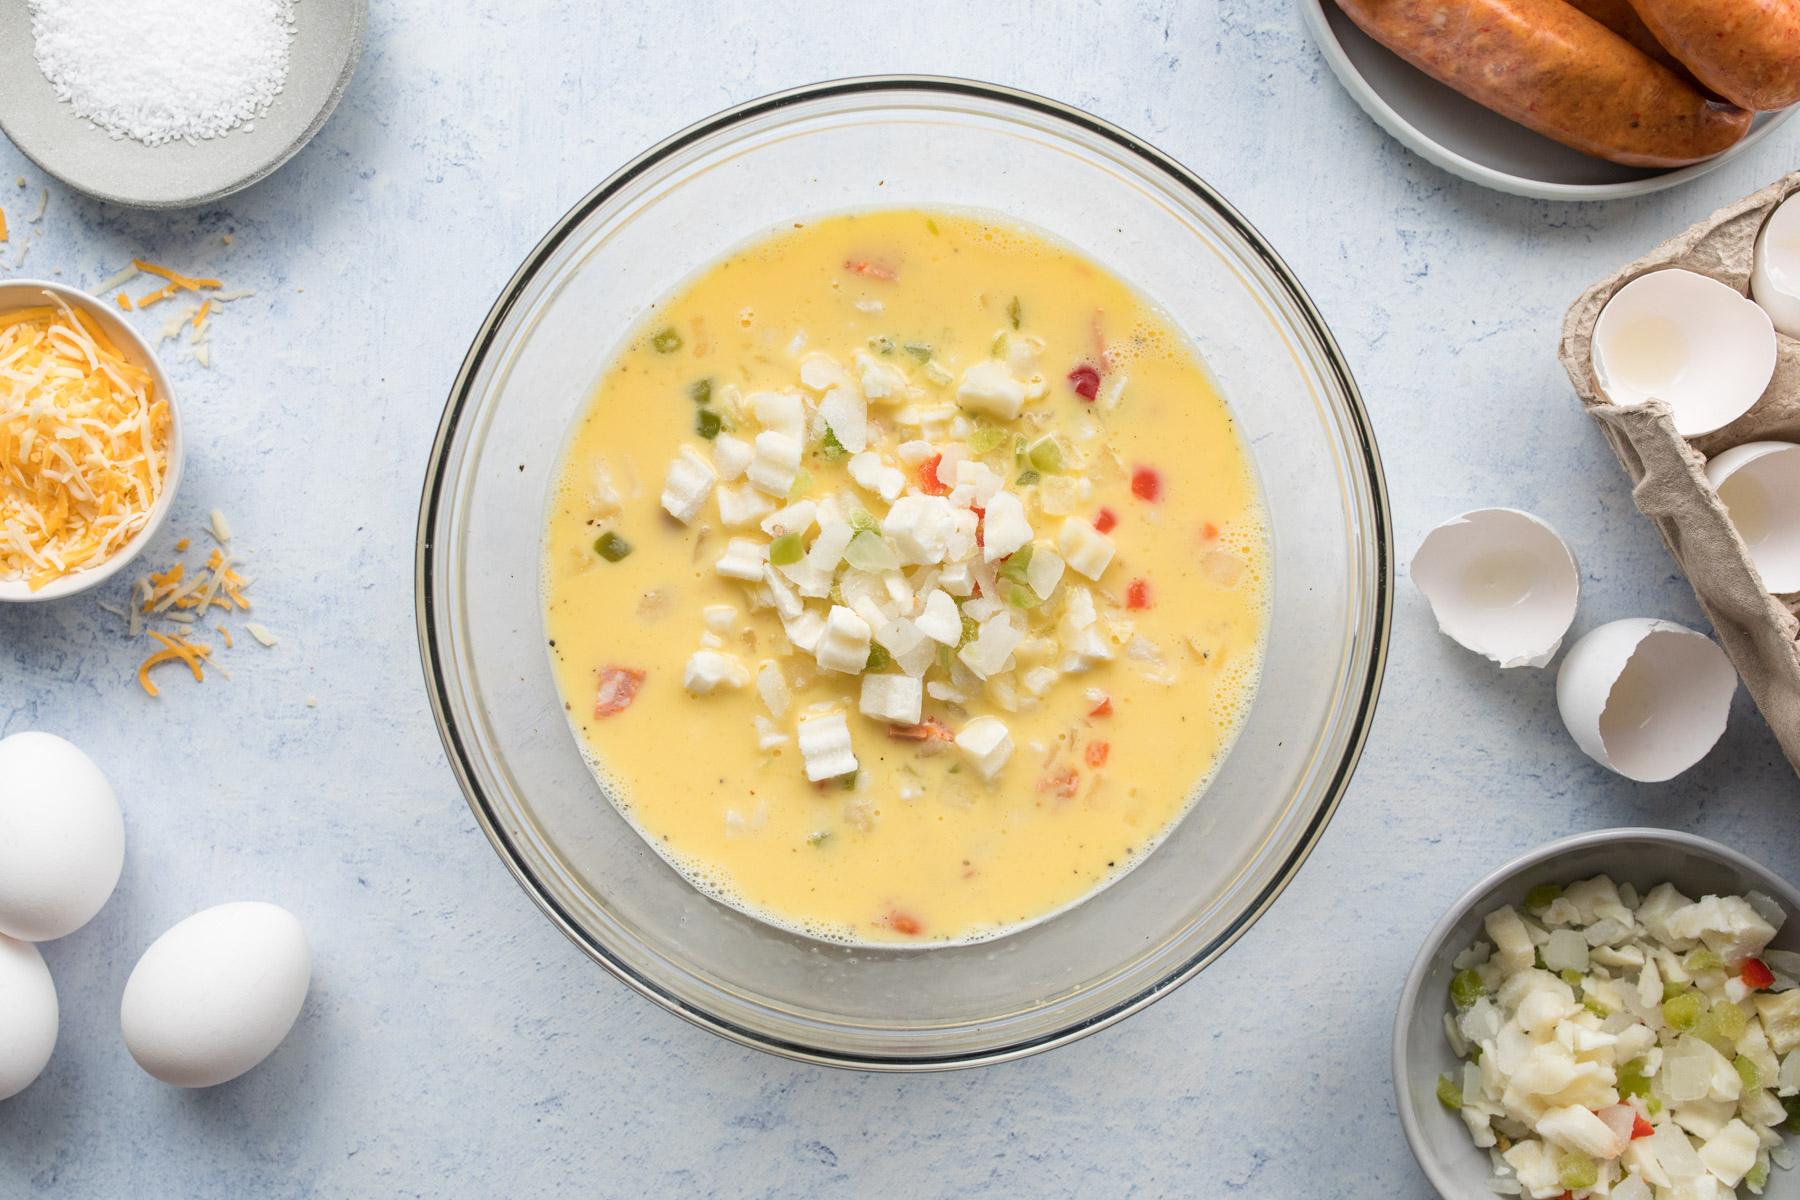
column 1730, row 1153
column 1780, row 1015
column 1512, row 944
column 1577, row 1128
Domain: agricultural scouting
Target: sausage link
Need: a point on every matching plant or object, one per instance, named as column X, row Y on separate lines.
column 1622, row 19
column 1748, row 51
column 1553, row 69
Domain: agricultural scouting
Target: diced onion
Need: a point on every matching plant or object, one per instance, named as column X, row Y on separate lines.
column 869, row 551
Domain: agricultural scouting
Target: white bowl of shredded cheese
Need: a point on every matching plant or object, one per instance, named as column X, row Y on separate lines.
column 1596, row 1070
column 83, row 380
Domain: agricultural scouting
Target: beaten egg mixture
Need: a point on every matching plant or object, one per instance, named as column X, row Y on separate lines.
column 905, row 578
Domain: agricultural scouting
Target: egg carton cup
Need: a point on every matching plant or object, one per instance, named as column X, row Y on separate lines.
column 1668, row 472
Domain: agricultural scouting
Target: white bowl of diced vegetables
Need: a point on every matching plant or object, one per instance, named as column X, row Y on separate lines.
column 1611, row 1015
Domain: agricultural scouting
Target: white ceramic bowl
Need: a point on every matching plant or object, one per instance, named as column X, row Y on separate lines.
column 1645, row 858
column 1451, row 131
column 22, row 293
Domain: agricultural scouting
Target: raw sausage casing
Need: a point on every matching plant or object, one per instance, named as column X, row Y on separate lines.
column 1748, row 51
column 1622, row 19
column 1559, row 72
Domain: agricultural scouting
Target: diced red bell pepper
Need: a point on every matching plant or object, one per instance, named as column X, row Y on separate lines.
column 1756, row 974
column 1102, row 709
column 1064, row 782
column 1106, row 521
column 929, row 483
column 929, row 730
column 1137, row 594
column 1146, row 484
column 1210, row 532
column 1086, row 382
column 618, row 688
column 871, row 270
column 1096, row 753
column 904, row 923
column 1641, row 1128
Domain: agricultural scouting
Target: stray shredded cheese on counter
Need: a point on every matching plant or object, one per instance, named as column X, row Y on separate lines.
column 196, row 321
column 118, row 281
column 83, row 444
column 184, row 282
column 177, row 282
column 174, row 648
column 184, row 597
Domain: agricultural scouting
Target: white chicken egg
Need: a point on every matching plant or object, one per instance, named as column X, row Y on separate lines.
column 1500, row 582
column 1759, row 483
column 1775, row 279
column 28, row 1005
column 1687, row 339
column 62, row 840
column 1645, row 698
column 216, row 994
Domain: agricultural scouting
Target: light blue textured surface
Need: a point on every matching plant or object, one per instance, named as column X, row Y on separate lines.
column 454, row 1044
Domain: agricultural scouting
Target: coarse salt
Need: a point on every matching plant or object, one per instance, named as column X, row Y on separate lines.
column 163, row 70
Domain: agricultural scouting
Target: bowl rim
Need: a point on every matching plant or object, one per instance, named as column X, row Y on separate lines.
column 1362, row 450
column 1429, row 949
column 14, row 591
column 1376, row 106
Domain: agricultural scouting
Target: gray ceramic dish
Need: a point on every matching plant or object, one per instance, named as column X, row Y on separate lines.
column 328, row 39
column 1457, row 134
column 1643, row 857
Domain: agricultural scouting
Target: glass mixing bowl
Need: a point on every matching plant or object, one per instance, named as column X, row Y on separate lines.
column 893, row 142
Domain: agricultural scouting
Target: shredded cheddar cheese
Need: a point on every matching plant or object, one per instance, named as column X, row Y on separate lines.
column 181, row 597
column 172, row 592
column 184, row 282
column 177, row 282
column 118, row 281
column 83, row 444
column 156, row 297
column 174, row 649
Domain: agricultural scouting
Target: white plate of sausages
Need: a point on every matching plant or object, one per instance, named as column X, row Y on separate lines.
column 1672, row 130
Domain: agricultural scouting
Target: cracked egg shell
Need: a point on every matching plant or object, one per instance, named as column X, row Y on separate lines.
column 1501, row 583
column 1689, row 340
column 1759, row 483
column 1644, row 697
column 1775, row 279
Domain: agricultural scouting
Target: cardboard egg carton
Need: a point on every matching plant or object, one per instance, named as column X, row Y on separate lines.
column 1669, row 486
